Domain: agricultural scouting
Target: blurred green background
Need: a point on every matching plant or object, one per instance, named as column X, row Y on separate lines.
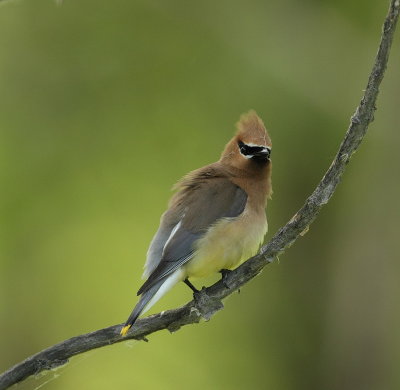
column 104, row 105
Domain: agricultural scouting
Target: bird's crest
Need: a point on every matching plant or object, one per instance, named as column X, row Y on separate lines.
column 251, row 130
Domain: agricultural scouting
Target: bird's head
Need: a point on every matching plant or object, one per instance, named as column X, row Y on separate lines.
column 251, row 146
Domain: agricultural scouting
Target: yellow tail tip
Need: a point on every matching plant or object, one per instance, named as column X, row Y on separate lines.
column 125, row 329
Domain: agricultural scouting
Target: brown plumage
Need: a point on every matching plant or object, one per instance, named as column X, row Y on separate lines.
column 215, row 220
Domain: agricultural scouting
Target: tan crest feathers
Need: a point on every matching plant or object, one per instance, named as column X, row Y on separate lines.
column 249, row 120
column 251, row 130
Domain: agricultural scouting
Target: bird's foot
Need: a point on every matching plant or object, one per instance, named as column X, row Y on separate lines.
column 225, row 278
column 200, row 295
column 206, row 304
column 190, row 285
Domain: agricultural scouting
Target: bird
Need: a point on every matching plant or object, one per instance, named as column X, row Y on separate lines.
column 215, row 220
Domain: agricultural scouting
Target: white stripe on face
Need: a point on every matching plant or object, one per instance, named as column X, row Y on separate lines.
column 255, row 145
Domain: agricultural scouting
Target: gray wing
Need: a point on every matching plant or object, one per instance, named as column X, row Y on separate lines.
column 199, row 207
column 154, row 254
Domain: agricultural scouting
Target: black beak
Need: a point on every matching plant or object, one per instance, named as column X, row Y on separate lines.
column 263, row 154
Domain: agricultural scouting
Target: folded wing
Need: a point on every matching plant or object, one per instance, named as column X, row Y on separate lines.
column 194, row 209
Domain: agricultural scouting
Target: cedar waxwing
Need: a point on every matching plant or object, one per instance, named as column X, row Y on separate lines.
column 216, row 219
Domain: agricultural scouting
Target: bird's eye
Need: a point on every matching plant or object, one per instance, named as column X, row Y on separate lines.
column 242, row 148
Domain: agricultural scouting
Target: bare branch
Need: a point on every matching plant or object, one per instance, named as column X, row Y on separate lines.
column 209, row 300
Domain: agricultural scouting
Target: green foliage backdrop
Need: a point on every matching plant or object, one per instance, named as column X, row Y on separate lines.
column 104, row 105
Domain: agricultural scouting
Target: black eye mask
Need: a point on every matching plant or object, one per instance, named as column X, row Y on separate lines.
column 256, row 152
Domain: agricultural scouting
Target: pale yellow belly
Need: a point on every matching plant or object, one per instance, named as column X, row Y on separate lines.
column 226, row 245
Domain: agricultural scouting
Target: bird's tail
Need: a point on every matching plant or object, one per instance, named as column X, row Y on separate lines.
column 150, row 297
